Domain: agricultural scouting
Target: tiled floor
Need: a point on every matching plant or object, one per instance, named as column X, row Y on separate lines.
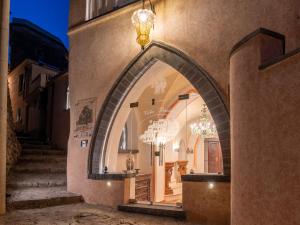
column 82, row 214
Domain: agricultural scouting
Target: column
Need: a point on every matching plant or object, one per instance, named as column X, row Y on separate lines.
column 4, row 30
column 260, row 181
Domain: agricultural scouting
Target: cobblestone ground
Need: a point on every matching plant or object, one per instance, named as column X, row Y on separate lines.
column 82, row 214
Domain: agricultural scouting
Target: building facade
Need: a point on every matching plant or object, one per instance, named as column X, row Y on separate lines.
column 38, row 84
column 227, row 55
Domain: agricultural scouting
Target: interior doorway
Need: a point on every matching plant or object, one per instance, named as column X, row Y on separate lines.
column 213, row 156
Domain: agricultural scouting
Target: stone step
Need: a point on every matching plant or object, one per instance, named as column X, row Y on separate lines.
column 31, row 141
column 156, row 210
column 35, row 146
column 21, row 180
column 42, row 158
column 43, row 152
column 38, row 168
column 30, row 198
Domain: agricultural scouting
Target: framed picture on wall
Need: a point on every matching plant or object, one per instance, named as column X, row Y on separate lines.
column 85, row 114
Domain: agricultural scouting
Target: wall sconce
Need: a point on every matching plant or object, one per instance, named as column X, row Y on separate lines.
column 143, row 21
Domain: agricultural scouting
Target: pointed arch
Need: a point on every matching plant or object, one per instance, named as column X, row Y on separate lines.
column 197, row 76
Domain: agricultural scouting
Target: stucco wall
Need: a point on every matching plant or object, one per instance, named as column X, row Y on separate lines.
column 205, row 205
column 265, row 105
column 103, row 192
column 205, row 30
column 16, row 98
column 60, row 115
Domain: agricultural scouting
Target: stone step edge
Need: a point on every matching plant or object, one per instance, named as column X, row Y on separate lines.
column 16, row 184
column 40, row 171
column 153, row 210
column 42, row 158
column 43, row 203
column 42, row 147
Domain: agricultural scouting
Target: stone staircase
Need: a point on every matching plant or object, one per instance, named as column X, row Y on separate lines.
column 39, row 178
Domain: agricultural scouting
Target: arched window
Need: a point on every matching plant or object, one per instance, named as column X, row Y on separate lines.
column 123, row 144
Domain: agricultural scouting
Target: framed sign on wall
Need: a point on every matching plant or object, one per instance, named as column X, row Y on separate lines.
column 85, row 114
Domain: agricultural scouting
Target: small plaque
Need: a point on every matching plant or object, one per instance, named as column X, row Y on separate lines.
column 84, row 143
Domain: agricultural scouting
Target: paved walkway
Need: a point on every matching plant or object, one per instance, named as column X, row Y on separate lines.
column 79, row 214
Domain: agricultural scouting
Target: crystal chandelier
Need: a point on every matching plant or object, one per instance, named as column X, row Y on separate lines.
column 205, row 127
column 160, row 132
column 143, row 21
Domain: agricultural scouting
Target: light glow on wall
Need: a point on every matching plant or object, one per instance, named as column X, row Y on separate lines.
column 211, row 185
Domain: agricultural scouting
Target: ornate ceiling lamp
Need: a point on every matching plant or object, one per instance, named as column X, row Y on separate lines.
column 143, row 21
column 160, row 132
column 205, row 127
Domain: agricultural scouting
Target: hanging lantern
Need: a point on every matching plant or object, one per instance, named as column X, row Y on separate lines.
column 143, row 21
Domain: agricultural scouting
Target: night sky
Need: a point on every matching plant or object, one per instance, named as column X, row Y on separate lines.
column 51, row 15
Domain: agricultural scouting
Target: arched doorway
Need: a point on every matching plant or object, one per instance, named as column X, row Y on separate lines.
column 201, row 80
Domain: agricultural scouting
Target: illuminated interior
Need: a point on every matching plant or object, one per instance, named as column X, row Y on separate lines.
column 162, row 131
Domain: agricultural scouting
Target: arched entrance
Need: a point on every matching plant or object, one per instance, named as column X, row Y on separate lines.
column 200, row 79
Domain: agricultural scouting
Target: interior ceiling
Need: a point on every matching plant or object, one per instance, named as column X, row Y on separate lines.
column 173, row 84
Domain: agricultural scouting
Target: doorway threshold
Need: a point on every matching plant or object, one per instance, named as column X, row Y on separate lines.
column 156, row 210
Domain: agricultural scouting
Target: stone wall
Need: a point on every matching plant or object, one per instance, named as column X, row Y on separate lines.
column 13, row 145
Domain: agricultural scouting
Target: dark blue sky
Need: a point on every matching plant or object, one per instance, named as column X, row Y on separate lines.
column 51, row 15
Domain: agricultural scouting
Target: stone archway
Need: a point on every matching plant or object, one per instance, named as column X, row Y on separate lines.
column 198, row 77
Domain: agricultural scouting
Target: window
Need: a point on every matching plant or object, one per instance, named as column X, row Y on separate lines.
column 123, row 140
column 96, row 8
column 21, row 84
column 68, row 98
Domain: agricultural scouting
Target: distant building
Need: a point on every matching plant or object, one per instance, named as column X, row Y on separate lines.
column 28, row 41
column 38, row 84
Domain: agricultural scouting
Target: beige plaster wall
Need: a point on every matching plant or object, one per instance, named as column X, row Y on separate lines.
column 16, row 98
column 206, row 30
column 60, row 116
column 104, row 192
column 265, row 105
column 207, row 206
